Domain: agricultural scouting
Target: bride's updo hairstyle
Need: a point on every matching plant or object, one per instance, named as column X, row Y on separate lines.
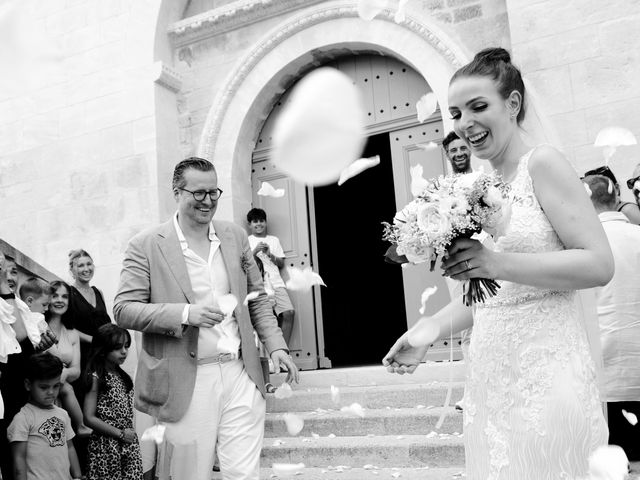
column 495, row 63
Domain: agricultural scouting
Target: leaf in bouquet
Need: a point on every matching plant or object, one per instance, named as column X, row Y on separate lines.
column 267, row 190
column 358, row 167
column 425, row 296
column 426, row 106
column 418, row 182
column 391, row 256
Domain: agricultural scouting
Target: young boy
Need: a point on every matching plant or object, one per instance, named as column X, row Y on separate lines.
column 40, row 433
column 268, row 250
column 36, row 294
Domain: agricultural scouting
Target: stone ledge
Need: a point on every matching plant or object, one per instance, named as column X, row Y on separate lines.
column 27, row 265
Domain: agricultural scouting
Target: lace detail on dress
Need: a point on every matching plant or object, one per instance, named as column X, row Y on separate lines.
column 531, row 402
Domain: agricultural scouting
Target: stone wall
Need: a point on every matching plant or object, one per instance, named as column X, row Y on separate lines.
column 583, row 58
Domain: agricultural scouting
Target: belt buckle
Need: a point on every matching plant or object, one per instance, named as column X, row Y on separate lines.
column 225, row 357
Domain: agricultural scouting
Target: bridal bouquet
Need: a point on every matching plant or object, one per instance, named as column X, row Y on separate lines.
column 448, row 208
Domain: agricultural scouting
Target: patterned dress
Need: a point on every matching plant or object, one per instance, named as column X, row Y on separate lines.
column 110, row 458
column 532, row 410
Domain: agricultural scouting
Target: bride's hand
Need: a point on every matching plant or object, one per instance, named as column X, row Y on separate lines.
column 403, row 358
column 468, row 258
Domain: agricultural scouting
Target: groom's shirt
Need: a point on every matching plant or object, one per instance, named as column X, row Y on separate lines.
column 209, row 281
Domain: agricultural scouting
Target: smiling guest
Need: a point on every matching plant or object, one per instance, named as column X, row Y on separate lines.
column 457, row 152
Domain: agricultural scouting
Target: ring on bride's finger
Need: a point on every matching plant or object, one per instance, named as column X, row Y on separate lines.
column 467, row 264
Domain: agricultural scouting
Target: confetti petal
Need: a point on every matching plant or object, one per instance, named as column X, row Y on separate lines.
column 423, row 333
column 250, row 296
column 283, row 391
column 418, row 182
column 586, row 187
column 357, row 167
column 315, row 435
column 426, row 106
column 331, row 435
column 294, row 423
column 369, row 9
column 424, row 298
column 608, row 462
column 287, row 469
column 154, row 433
column 321, row 130
column 396, row 474
column 303, row 280
column 354, row 409
column 267, row 190
column 227, row 304
column 427, row 146
column 335, row 394
column 401, row 15
column 631, row 417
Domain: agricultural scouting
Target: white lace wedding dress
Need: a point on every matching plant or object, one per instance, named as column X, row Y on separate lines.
column 531, row 405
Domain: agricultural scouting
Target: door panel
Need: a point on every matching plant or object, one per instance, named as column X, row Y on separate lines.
column 287, row 219
column 406, row 153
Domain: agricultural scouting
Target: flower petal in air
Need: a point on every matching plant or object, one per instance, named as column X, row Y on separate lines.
column 418, row 182
column 287, row 469
column 250, row 296
column 294, row 423
column 303, row 280
column 400, row 15
column 357, row 167
column 426, row 294
column 335, row 394
column 267, row 190
column 369, row 9
column 426, row 106
column 155, row 433
column 608, row 462
column 586, row 187
column 354, row 409
column 283, row 391
column 631, row 417
column 321, row 129
column 427, row 146
column 227, row 304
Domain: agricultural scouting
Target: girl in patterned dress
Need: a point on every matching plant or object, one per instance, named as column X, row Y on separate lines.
column 114, row 451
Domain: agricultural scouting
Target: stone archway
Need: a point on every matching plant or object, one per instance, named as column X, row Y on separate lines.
column 287, row 52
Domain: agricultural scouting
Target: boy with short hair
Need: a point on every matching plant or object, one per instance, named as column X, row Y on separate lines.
column 35, row 294
column 268, row 250
column 40, row 433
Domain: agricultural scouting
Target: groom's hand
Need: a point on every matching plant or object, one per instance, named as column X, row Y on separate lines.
column 204, row 316
column 281, row 358
column 403, row 358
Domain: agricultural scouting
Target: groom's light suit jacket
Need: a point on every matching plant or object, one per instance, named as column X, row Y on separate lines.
column 154, row 288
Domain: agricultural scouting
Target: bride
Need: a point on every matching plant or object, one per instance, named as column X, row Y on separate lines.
column 531, row 402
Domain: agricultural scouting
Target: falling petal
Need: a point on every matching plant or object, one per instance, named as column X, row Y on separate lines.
column 418, row 182
column 315, row 435
column 614, row 137
column 368, row 9
column 631, row 417
column 427, row 146
column 586, row 187
column 335, row 394
column 354, row 409
column 250, row 296
column 609, row 186
column 294, row 423
column 399, row 437
column 287, row 469
column 396, row 474
column 302, row 280
column 420, row 407
column 267, row 190
column 426, row 294
column 155, row 433
column 608, row 462
column 423, row 333
column 368, row 467
column 306, row 440
column 227, row 304
column 426, row 106
column 357, row 167
column 400, row 15
column 331, row 435
column 283, row 391
column 321, row 130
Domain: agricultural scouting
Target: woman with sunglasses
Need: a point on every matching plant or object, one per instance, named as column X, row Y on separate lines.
column 634, row 184
column 630, row 209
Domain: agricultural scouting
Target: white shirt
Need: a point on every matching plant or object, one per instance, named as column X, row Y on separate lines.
column 209, row 280
column 271, row 271
column 619, row 311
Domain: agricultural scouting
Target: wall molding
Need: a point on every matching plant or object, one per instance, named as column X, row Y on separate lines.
column 167, row 77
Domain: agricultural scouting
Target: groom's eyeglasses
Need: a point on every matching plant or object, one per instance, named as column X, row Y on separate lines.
column 200, row 195
column 632, row 181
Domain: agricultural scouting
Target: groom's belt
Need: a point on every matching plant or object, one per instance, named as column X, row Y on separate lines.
column 220, row 358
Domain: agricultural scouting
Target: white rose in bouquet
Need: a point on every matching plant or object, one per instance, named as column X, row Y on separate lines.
column 432, row 221
column 467, row 180
column 493, row 197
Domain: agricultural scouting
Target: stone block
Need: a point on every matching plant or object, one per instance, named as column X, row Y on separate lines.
column 431, row 5
column 131, row 172
column 68, row 20
column 80, row 40
column 570, row 128
column 114, row 28
column 467, row 13
column 620, row 36
column 117, row 141
column 105, row 111
column 605, row 79
column 459, row 3
column 553, row 87
column 72, row 120
column 40, row 130
column 622, row 113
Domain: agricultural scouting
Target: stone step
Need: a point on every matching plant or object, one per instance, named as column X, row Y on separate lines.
column 379, row 396
column 378, row 422
column 427, row 372
column 358, row 473
column 439, row 450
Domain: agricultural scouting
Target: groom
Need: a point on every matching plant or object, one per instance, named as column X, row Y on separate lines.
column 199, row 370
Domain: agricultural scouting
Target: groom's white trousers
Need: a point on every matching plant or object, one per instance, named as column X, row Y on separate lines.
column 227, row 408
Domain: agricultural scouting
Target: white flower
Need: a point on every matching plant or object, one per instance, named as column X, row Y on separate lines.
column 493, row 197
column 467, row 180
column 431, row 221
column 608, row 462
column 497, row 225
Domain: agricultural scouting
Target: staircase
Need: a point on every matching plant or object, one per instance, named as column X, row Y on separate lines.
column 396, row 438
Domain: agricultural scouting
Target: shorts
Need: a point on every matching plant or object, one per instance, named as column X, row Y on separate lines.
column 283, row 302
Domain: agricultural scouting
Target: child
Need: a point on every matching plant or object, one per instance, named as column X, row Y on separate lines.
column 68, row 350
column 114, row 451
column 40, row 433
column 34, row 295
column 268, row 250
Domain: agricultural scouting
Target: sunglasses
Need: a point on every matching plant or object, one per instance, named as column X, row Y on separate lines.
column 632, row 181
column 604, row 171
